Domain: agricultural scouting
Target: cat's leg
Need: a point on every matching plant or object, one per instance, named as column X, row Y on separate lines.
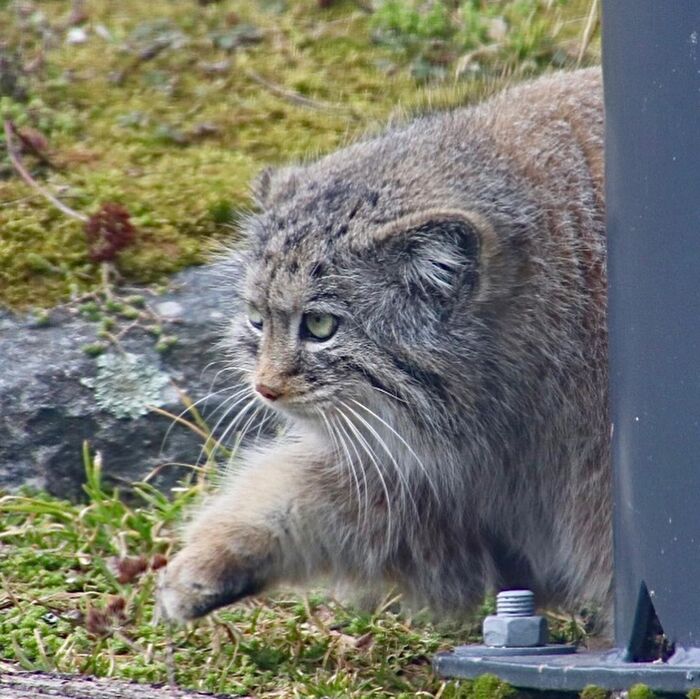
column 262, row 526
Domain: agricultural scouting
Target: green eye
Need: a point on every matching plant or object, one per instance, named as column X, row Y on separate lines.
column 318, row 326
column 254, row 316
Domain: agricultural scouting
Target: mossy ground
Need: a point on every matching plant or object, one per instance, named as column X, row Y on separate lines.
column 161, row 107
column 170, row 108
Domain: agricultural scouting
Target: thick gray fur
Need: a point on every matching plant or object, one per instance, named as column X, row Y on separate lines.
column 452, row 436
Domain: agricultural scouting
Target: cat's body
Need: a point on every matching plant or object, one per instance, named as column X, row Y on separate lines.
column 448, row 412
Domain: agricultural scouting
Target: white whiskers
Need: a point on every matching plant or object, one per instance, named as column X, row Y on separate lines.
column 411, row 450
column 338, row 446
column 373, row 460
column 404, row 484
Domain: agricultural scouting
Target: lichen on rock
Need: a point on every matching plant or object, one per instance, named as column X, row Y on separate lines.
column 126, row 385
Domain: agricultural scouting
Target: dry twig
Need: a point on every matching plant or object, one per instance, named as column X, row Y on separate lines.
column 17, row 164
column 290, row 95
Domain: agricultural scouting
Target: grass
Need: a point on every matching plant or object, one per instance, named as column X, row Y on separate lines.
column 170, row 108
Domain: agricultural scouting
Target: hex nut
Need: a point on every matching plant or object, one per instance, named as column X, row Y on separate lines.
column 515, row 631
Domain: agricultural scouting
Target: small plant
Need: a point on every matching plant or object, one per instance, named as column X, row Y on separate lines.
column 640, row 691
column 473, row 35
column 406, row 20
column 591, row 691
column 108, row 231
column 491, row 687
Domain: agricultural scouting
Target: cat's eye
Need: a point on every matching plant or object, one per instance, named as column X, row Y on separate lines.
column 318, row 326
column 254, row 316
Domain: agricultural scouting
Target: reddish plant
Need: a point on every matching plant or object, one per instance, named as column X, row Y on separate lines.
column 158, row 561
column 116, row 606
column 108, row 231
column 97, row 622
column 128, row 569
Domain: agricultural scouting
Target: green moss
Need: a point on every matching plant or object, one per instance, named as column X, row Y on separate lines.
column 491, row 687
column 177, row 137
column 640, row 691
column 592, row 692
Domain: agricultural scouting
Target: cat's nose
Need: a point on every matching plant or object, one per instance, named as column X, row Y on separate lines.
column 267, row 392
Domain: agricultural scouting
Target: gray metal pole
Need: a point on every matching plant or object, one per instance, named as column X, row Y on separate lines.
column 651, row 53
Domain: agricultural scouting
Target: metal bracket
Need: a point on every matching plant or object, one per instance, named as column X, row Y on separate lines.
column 572, row 671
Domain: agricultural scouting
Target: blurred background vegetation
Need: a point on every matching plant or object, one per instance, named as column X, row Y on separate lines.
column 169, row 108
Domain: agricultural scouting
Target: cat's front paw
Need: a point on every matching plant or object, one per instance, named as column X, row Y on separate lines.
column 198, row 580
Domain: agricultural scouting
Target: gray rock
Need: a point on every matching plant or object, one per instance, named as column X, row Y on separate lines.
column 54, row 396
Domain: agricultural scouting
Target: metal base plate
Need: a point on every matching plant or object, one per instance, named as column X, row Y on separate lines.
column 497, row 651
column 573, row 671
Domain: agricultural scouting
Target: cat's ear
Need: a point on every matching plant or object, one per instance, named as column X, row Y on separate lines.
column 435, row 253
column 274, row 183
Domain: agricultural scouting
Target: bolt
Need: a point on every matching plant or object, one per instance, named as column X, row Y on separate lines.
column 515, row 624
column 515, row 603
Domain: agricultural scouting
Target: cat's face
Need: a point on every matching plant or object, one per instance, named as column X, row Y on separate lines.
column 298, row 333
column 354, row 319
column 352, row 294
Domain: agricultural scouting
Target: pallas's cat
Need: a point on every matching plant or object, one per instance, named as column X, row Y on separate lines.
column 426, row 309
